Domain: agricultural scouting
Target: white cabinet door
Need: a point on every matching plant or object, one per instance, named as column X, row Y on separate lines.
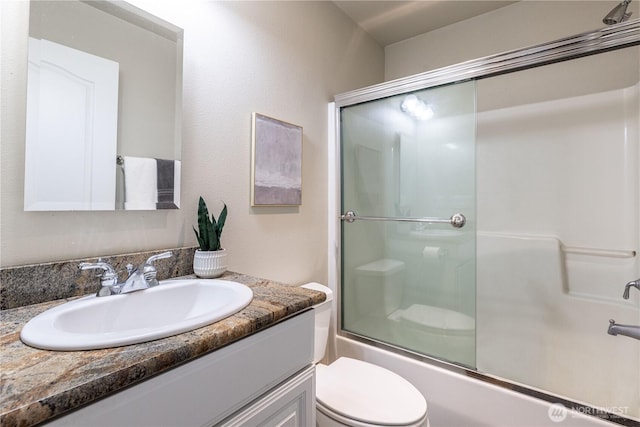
column 291, row 404
column 72, row 127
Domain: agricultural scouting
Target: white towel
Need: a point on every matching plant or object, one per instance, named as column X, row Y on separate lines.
column 176, row 182
column 140, row 183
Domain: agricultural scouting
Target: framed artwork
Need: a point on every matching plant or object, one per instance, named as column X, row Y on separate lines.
column 276, row 162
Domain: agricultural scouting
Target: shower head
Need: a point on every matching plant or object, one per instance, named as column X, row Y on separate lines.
column 618, row 14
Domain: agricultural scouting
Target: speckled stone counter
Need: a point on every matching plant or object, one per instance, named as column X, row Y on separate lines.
column 37, row 385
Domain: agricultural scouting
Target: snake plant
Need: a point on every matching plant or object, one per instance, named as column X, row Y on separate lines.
column 210, row 230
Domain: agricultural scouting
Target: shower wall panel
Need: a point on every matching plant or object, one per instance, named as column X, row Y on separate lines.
column 558, row 157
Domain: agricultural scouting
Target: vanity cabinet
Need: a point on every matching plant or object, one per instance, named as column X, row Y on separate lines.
column 266, row 379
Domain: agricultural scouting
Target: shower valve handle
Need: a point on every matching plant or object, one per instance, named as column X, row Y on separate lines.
column 628, row 286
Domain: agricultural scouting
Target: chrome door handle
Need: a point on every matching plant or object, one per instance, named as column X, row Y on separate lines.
column 457, row 220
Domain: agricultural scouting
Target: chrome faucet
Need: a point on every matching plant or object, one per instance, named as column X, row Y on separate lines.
column 628, row 286
column 141, row 277
column 626, row 330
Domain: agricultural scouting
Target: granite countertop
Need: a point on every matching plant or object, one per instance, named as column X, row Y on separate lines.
column 37, row 385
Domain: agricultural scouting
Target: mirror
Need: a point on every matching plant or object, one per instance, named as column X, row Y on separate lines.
column 104, row 100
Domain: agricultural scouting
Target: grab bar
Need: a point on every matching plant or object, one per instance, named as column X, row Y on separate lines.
column 608, row 253
column 457, row 220
column 567, row 249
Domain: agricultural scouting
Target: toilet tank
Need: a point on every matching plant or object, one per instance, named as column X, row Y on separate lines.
column 322, row 320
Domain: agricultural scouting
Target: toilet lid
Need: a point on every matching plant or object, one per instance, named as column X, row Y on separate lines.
column 364, row 392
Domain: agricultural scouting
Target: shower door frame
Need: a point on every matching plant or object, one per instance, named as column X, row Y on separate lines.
column 615, row 37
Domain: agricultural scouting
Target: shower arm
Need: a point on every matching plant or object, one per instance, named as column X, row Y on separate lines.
column 457, row 220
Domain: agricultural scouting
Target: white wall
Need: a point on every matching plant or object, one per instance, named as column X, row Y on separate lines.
column 558, row 189
column 282, row 59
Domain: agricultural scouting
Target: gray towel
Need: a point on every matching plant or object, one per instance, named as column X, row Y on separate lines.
column 166, row 184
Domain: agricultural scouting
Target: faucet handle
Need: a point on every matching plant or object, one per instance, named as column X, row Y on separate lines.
column 107, row 270
column 108, row 277
column 149, row 271
column 163, row 255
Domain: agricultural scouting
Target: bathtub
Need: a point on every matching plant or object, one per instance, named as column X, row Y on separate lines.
column 457, row 400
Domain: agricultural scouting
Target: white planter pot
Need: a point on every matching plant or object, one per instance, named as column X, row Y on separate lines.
column 210, row 264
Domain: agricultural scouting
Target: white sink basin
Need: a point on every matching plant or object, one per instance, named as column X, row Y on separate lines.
column 173, row 307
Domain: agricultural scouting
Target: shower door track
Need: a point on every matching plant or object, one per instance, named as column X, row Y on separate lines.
column 603, row 40
column 606, row 39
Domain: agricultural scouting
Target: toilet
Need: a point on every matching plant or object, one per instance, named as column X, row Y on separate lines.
column 351, row 392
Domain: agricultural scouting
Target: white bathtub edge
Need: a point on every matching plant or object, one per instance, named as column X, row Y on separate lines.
column 455, row 400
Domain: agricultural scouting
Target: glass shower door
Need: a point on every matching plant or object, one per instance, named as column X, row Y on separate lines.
column 408, row 258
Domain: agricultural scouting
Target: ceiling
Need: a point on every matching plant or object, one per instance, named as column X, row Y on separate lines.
column 392, row 21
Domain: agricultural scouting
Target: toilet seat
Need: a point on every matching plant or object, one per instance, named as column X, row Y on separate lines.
column 436, row 319
column 358, row 393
